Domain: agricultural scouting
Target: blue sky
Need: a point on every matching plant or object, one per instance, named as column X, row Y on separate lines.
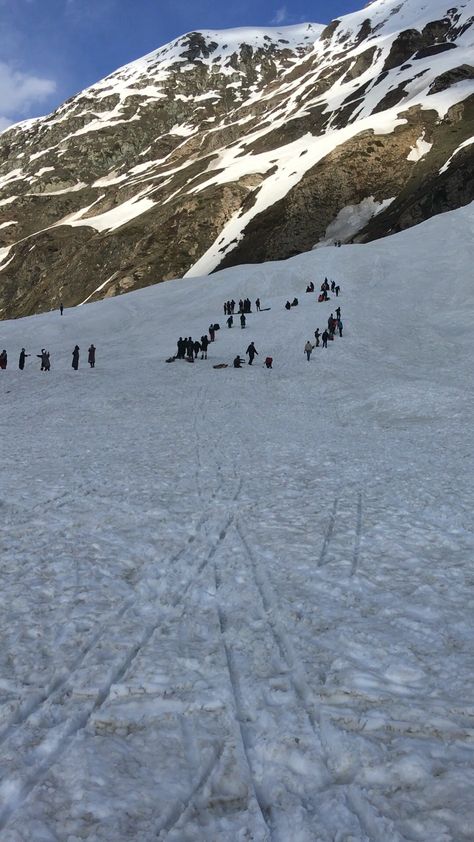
column 51, row 49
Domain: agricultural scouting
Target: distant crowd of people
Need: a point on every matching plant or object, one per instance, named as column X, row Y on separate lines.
column 334, row 324
column 189, row 349
column 325, row 287
column 45, row 358
column 245, row 306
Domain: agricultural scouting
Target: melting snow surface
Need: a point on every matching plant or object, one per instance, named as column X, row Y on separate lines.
column 237, row 604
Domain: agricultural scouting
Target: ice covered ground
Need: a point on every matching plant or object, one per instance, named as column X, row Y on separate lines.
column 237, row 604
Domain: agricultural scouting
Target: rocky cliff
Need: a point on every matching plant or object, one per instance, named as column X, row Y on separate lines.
column 240, row 146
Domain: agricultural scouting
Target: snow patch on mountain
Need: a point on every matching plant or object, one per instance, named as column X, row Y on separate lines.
column 352, row 219
column 421, row 148
column 464, row 145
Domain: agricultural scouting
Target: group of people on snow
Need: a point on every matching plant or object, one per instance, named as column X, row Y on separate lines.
column 45, row 358
column 245, row 306
column 334, row 323
column 242, row 319
column 325, row 287
column 189, row 348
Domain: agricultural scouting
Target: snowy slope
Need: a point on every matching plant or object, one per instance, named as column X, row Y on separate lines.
column 246, row 145
column 238, row 604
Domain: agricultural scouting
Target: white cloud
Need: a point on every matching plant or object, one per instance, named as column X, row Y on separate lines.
column 20, row 92
column 280, row 16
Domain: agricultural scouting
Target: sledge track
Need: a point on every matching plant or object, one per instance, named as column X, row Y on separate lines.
column 25, row 711
column 179, row 810
column 329, row 533
column 284, row 647
column 365, row 814
column 81, row 718
column 78, row 722
column 239, row 714
column 358, row 535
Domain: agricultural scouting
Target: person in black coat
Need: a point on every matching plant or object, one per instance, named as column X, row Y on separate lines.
column 251, row 351
column 230, row 321
column 212, row 332
column 257, row 304
column 91, row 356
column 197, row 348
column 75, row 357
column 204, row 344
column 287, row 306
column 21, row 361
column 316, row 336
column 243, row 321
column 190, row 348
column 325, row 337
column 238, row 362
column 45, row 360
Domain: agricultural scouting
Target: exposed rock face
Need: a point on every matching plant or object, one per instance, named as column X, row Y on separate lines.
column 239, row 146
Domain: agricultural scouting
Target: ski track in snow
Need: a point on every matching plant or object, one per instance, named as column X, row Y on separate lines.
column 236, row 605
column 61, row 689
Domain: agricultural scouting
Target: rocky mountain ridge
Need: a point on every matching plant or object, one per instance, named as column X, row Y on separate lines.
column 240, row 146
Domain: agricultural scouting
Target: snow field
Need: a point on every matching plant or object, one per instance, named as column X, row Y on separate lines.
column 237, row 603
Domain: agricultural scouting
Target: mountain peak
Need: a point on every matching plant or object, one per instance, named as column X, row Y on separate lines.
column 240, row 145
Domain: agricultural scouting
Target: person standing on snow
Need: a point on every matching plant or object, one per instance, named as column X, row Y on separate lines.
column 338, row 312
column 316, row 336
column 230, row 321
column 242, row 321
column 325, row 338
column 75, row 357
column 212, row 333
column 61, row 308
column 257, row 304
column 251, row 351
column 91, row 356
column 45, row 360
column 308, row 349
column 196, row 348
column 204, row 344
column 337, row 291
column 21, row 361
column 340, row 326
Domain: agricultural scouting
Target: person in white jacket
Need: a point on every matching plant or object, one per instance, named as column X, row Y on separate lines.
column 308, row 348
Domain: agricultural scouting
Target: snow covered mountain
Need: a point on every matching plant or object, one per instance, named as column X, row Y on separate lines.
column 240, row 146
column 237, row 604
